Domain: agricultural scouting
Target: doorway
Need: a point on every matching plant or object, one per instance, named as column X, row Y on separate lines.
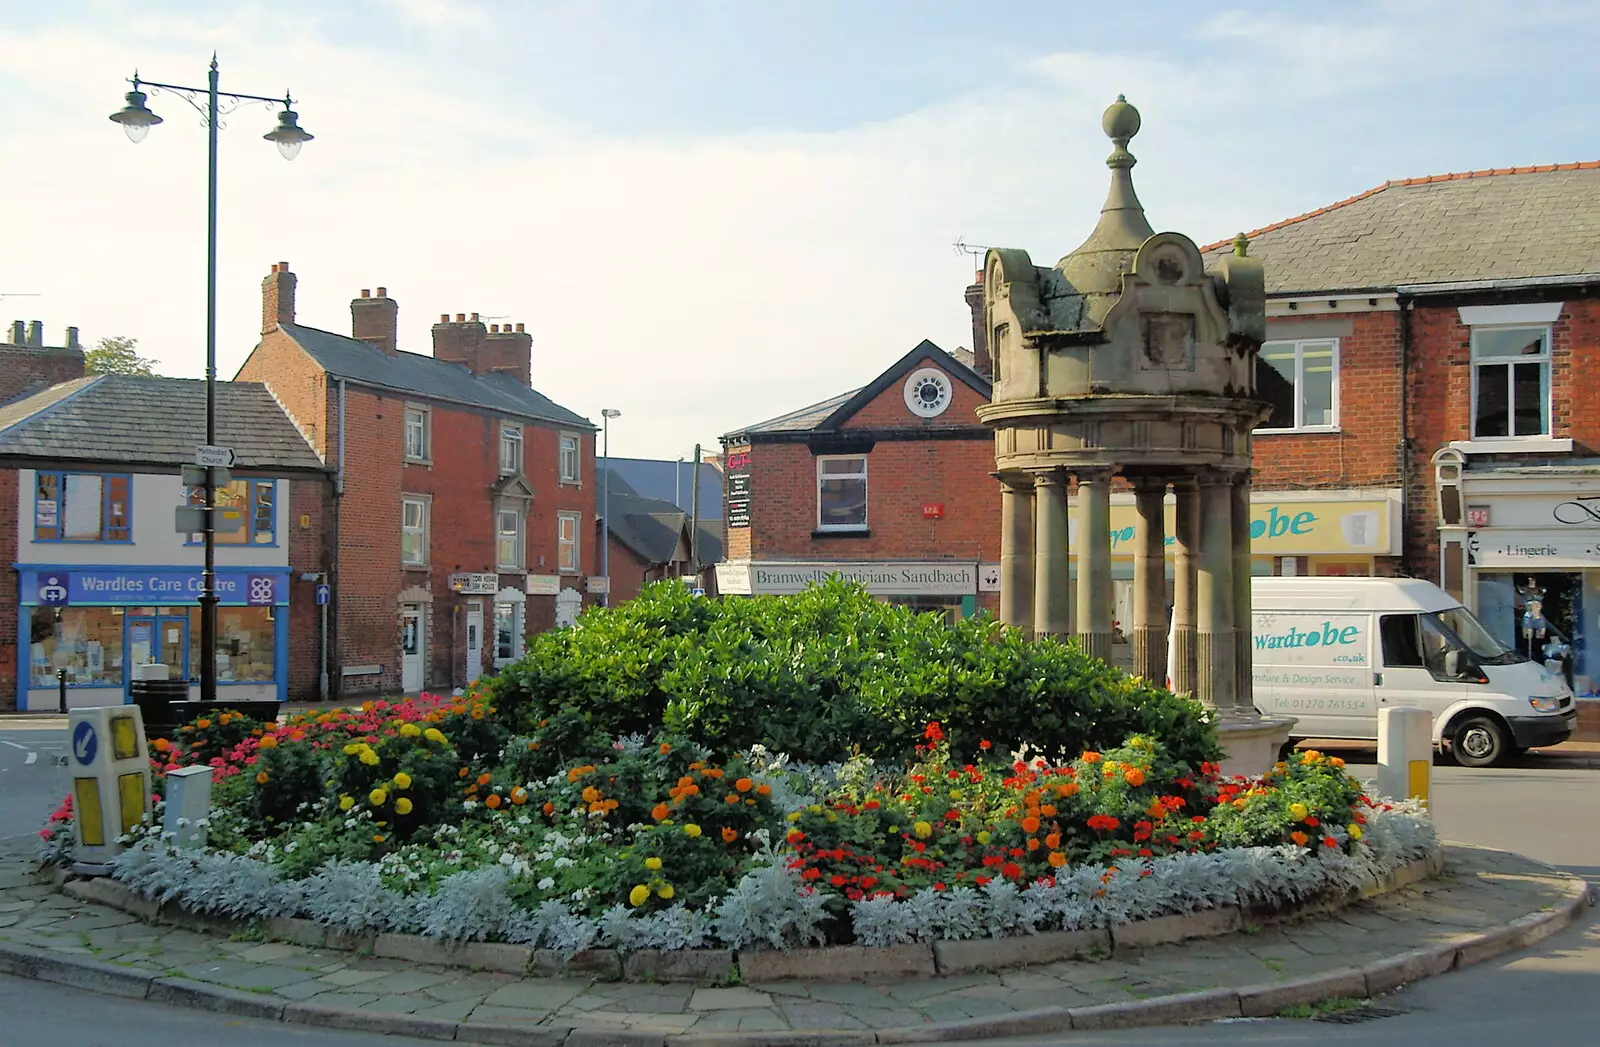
column 159, row 638
column 474, row 641
column 411, row 648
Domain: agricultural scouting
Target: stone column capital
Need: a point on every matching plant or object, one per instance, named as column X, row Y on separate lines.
column 1184, row 482
column 1054, row 478
column 1149, row 484
column 1094, row 474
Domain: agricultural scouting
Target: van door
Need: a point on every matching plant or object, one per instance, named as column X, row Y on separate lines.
column 1406, row 678
column 1318, row 669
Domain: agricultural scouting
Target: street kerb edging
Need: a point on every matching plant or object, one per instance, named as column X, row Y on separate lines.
column 1373, row 979
column 823, row 963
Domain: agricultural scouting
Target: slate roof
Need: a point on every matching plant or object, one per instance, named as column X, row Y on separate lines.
column 1509, row 223
column 671, row 482
column 652, row 527
column 139, row 421
column 834, row 411
column 358, row 361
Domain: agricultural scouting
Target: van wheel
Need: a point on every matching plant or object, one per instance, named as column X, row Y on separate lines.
column 1480, row 742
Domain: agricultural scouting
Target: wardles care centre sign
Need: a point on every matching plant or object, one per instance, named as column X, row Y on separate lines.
column 881, row 578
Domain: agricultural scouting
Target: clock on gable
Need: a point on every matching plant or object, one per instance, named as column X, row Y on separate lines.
column 928, row 392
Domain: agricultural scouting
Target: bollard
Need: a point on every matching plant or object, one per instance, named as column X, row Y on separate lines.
column 188, row 802
column 110, row 782
column 1405, row 754
column 61, row 683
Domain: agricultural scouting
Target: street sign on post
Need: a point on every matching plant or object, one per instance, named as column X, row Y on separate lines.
column 599, row 586
column 324, row 594
column 191, row 519
column 195, row 476
column 211, row 456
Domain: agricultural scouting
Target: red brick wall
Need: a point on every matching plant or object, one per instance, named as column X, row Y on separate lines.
column 629, row 572
column 300, row 385
column 369, row 538
column 888, row 408
column 26, row 370
column 1365, row 452
column 9, row 593
column 310, row 532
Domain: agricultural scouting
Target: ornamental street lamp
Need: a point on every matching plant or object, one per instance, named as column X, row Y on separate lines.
column 137, row 120
column 606, row 414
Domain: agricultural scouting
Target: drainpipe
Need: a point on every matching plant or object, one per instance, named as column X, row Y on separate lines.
column 333, row 572
column 1404, row 302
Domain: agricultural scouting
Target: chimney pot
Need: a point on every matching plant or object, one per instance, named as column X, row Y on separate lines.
column 366, row 292
column 474, row 317
column 444, row 318
column 383, row 292
column 283, row 267
column 36, row 334
column 19, row 333
column 494, row 328
column 72, row 338
column 519, row 328
column 461, row 318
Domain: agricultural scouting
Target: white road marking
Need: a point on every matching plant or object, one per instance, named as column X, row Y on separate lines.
column 13, row 745
column 31, row 758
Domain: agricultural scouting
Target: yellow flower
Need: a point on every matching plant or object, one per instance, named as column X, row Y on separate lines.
column 346, row 802
column 639, row 895
column 1354, row 830
column 433, row 734
column 691, row 830
column 369, row 758
column 666, row 891
column 793, row 816
column 652, row 864
column 352, row 749
column 922, row 829
column 402, row 806
column 1298, row 811
column 402, row 780
column 378, row 796
column 984, row 837
column 410, row 730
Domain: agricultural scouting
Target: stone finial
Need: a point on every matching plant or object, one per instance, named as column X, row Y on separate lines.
column 1120, row 123
column 1241, row 246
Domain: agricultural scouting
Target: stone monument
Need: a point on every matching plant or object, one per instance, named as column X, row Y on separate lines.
column 1128, row 357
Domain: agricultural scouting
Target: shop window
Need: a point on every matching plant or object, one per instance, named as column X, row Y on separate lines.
column 85, row 641
column 1300, row 380
column 842, row 493
column 417, row 434
column 510, row 449
column 571, row 458
column 508, row 538
column 507, row 633
column 1510, row 382
column 567, row 541
column 246, row 644
column 82, row 507
column 256, row 503
column 413, row 530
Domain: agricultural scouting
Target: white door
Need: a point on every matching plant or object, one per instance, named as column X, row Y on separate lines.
column 474, row 641
column 411, row 648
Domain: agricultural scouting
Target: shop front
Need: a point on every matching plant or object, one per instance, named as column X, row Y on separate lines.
column 948, row 587
column 97, row 622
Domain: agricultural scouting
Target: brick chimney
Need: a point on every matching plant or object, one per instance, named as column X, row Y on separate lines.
column 277, row 298
column 375, row 319
column 509, row 352
column 460, row 341
column 980, row 327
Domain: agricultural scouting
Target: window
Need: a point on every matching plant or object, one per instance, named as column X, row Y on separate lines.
column 413, row 530
column 82, row 507
column 570, row 457
column 507, row 633
column 1510, row 381
column 86, row 642
column 1402, row 648
column 1300, row 381
column 246, row 638
column 510, row 449
column 842, row 493
column 508, row 538
column 417, row 434
column 255, row 504
column 567, row 541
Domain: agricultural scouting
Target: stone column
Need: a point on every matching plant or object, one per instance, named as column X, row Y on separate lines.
column 1051, row 593
column 1214, row 630
column 1095, row 603
column 1016, row 556
column 1186, row 553
column 1150, row 582
column 1243, row 688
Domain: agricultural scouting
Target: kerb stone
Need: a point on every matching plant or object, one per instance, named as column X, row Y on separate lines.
column 182, row 992
column 993, row 954
column 1023, row 1023
column 501, row 1035
column 1159, row 1010
column 1389, row 974
column 678, row 965
column 370, row 1021
column 600, row 963
column 92, row 975
column 105, row 891
column 1263, row 1001
column 838, row 963
column 1164, row 930
column 296, row 931
column 491, row 956
column 615, row 1038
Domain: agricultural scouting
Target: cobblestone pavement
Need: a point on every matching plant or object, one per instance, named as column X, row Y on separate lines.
column 1481, row 889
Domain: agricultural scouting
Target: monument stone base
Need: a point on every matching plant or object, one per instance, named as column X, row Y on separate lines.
column 1250, row 744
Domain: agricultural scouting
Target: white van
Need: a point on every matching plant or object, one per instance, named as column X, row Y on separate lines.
column 1331, row 652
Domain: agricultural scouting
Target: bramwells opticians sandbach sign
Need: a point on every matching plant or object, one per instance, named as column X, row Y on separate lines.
column 885, row 578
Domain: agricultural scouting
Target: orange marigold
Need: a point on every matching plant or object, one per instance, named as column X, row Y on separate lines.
column 1091, row 757
column 1133, row 776
column 1053, row 841
column 269, row 741
column 590, row 794
column 492, row 801
column 1048, row 810
column 744, row 785
column 1057, row 859
column 660, row 811
column 1299, row 838
column 728, row 835
column 461, row 773
column 548, row 808
column 731, row 798
column 665, row 748
column 261, row 777
column 484, row 779
column 1033, row 843
column 1030, row 824
column 763, row 789
column 519, row 796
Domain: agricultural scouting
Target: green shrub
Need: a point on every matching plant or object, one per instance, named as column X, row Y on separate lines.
column 827, row 672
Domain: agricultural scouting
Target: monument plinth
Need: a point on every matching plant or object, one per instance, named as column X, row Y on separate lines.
column 1128, row 357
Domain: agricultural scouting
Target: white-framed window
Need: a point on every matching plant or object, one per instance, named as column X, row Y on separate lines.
column 1510, row 382
column 567, row 525
column 571, row 458
column 508, row 538
column 417, row 434
column 842, row 492
column 413, row 530
column 507, row 633
column 510, row 448
column 1300, row 379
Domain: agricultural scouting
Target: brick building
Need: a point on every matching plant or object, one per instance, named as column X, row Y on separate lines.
column 1441, row 335
column 97, row 580
column 27, row 365
column 463, row 508
column 651, row 537
column 889, row 483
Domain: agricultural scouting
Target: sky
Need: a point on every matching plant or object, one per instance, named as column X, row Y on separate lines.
column 712, row 212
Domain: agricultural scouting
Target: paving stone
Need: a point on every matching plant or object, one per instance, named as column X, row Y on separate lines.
column 304, row 990
column 456, row 1010
column 406, row 981
column 272, row 952
column 350, row 977
column 403, row 1003
column 493, row 1013
column 810, row 1014
column 728, row 999
column 344, row 999
column 535, row 994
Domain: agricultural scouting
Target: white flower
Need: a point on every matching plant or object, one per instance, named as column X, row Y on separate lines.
column 547, row 883
column 507, row 858
column 563, row 862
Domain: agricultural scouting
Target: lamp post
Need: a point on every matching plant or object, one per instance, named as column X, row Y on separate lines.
column 136, row 120
column 606, row 414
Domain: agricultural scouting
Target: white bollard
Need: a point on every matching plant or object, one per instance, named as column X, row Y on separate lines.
column 1405, row 754
column 188, row 802
column 110, row 782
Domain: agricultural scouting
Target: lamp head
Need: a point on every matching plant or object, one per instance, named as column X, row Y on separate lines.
column 135, row 117
column 288, row 135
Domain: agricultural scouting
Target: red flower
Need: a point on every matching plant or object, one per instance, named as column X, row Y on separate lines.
column 1312, row 821
column 837, row 880
column 934, row 733
column 1328, row 841
column 1011, row 871
column 811, row 874
column 986, row 745
column 1103, row 822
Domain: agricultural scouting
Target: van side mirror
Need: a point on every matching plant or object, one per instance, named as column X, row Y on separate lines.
column 1452, row 664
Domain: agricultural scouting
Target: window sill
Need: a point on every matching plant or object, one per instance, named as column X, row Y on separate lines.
column 843, row 532
column 569, row 483
column 509, row 569
column 413, row 566
column 1317, row 430
column 426, row 463
column 1514, row 445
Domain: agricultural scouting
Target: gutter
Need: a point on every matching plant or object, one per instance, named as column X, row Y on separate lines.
column 333, row 557
column 1512, row 284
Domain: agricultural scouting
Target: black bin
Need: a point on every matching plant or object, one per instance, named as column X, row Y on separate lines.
column 160, row 703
